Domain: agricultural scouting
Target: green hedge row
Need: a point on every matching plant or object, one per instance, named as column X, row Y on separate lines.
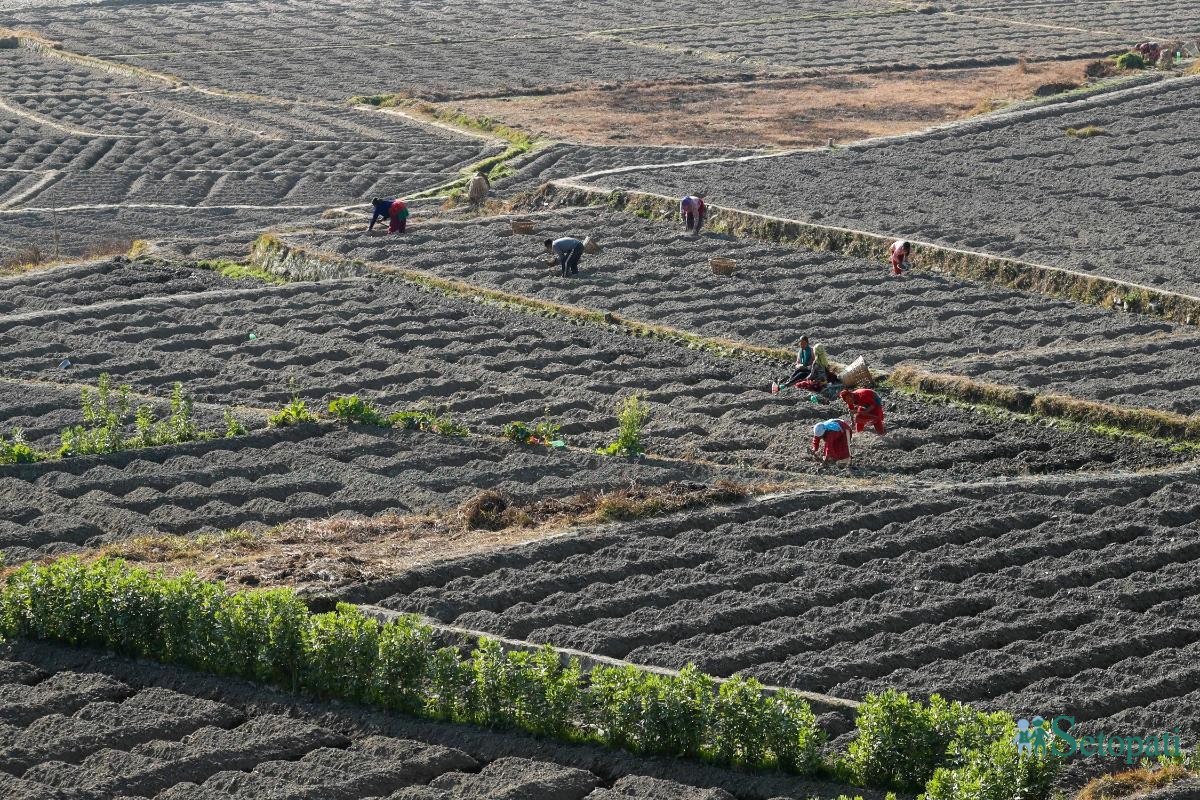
column 271, row 637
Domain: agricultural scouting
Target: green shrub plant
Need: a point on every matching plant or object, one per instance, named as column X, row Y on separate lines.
column 270, row 636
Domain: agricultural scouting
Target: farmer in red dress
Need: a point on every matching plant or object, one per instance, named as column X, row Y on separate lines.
column 865, row 407
column 834, row 437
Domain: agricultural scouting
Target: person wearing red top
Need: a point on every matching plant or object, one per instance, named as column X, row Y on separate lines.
column 898, row 256
column 865, row 407
column 834, row 436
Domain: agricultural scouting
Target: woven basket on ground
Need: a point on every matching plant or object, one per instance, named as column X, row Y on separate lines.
column 723, row 266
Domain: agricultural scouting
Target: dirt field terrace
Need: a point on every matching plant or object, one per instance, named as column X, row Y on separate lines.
column 1116, row 204
column 1021, row 562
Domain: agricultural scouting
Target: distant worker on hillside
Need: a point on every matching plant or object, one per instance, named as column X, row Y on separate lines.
column 693, row 210
column 898, row 255
column 478, row 188
column 568, row 251
column 396, row 212
column 865, row 408
column 831, row 441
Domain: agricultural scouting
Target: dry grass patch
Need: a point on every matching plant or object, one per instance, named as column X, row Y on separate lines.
column 1133, row 783
column 31, row 258
column 792, row 112
column 321, row 555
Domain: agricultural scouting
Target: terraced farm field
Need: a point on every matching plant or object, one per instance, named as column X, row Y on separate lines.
column 653, row 271
column 76, row 725
column 270, row 477
column 410, row 348
column 1022, row 563
column 94, row 156
column 609, row 42
column 1051, row 596
column 1118, row 203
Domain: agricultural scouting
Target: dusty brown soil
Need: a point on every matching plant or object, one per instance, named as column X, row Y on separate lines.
column 774, row 113
column 326, row 554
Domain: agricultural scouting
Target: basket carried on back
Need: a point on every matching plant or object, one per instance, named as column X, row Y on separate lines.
column 723, row 266
column 857, row 374
column 590, row 246
column 522, row 226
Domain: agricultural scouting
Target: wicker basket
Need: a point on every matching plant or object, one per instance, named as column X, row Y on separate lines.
column 723, row 266
column 522, row 226
column 590, row 246
column 857, row 374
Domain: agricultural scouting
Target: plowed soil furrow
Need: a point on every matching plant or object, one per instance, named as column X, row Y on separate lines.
column 1035, row 595
column 651, row 271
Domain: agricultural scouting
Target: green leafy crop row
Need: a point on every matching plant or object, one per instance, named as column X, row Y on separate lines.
column 106, row 414
column 271, row 636
column 354, row 409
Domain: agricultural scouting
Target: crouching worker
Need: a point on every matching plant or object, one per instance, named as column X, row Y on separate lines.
column 568, row 251
column 898, row 256
column 831, row 441
column 477, row 190
column 865, row 407
column 693, row 210
column 395, row 211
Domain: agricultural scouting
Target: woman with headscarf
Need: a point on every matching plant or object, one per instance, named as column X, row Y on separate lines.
column 831, row 441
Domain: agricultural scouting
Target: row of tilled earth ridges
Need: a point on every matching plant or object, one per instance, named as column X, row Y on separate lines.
column 654, row 271
column 407, row 348
column 89, row 734
column 454, row 50
column 123, row 157
column 1121, row 204
column 1057, row 596
column 562, row 160
column 266, row 478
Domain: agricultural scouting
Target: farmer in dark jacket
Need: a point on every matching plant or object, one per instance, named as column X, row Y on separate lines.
column 394, row 211
column 568, row 251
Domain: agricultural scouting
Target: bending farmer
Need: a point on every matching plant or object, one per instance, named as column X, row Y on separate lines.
column 865, row 407
column 898, row 256
column 477, row 190
column 831, row 441
column 396, row 212
column 568, row 251
column 692, row 210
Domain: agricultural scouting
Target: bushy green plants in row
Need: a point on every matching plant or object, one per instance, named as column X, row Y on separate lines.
column 271, row 637
column 353, row 409
column 107, row 410
column 15, row 450
column 950, row 750
column 945, row 748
